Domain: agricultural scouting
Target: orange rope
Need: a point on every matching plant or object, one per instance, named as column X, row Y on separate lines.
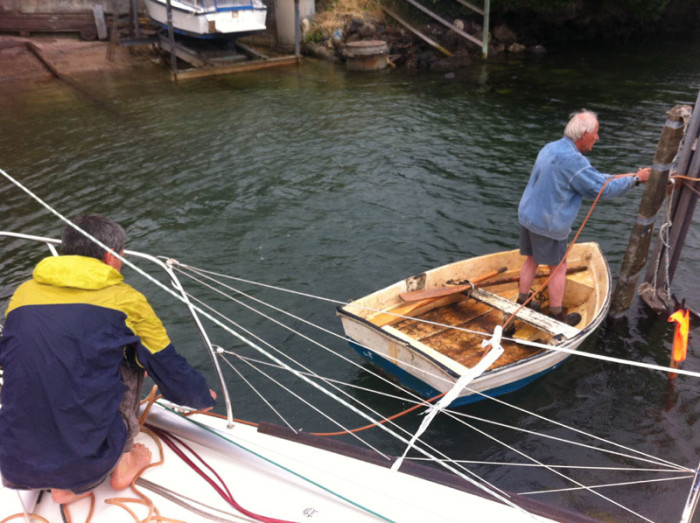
column 371, row 425
column 22, row 515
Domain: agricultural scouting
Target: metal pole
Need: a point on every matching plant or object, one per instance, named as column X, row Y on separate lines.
column 485, row 29
column 684, row 204
column 135, row 18
column 171, row 39
column 692, row 502
column 297, row 29
column 654, row 194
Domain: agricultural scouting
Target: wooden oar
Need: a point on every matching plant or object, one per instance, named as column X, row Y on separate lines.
column 539, row 274
column 449, row 289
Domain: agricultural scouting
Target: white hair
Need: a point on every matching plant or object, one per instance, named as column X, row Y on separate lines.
column 581, row 122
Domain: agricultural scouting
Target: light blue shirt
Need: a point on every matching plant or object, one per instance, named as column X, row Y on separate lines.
column 560, row 179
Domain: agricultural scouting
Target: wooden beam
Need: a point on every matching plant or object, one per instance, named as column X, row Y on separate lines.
column 253, row 65
column 536, row 319
column 446, row 23
column 417, row 32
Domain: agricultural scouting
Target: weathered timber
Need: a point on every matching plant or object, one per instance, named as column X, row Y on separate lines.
column 27, row 23
column 683, row 205
column 251, row 65
column 415, row 31
column 446, row 23
column 652, row 199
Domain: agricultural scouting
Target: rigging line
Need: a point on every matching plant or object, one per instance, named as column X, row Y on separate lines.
column 344, row 383
column 574, row 429
column 353, row 431
column 309, row 372
column 320, row 328
column 672, row 468
column 574, row 352
column 241, row 337
column 556, row 466
column 390, row 420
column 553, row 471
column 610, row 359
column 604, row 485
column 260, row 395
column 345, row 430
column 307, row 403
column 204, row 273
column 653, row 459
column 554, row 438
column 307, row 322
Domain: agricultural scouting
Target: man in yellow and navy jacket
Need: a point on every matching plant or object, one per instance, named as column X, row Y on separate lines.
column 63, row 425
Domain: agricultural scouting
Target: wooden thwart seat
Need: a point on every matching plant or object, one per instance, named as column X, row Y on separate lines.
column 536, row 319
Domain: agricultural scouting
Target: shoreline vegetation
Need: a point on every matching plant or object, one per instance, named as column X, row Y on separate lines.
column 517, row 26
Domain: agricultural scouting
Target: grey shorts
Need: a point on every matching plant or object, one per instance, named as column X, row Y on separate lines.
column 545, row 251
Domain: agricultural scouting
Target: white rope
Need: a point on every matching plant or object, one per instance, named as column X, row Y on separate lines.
column 573, row 352
column 574, row 429
column 563, row 440
column 258, row 393
column 556, row 466
column 313, row 325
column 477, row 370
column 664, row 240
column 603, row 485
column 651, row 459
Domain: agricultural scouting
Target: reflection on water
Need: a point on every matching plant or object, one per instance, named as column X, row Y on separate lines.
column 335, row 184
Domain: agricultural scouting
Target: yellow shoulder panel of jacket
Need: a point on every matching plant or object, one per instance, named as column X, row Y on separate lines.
column 140, row 317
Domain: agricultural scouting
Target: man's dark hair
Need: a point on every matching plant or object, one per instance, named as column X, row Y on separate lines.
column 108, row 232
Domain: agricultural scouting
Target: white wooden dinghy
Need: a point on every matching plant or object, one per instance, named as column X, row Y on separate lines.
column 428, row 344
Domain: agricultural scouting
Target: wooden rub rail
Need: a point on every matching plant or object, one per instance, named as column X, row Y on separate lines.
column 536, row 319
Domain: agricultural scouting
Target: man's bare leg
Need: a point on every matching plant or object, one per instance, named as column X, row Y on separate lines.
column 527, row 275
column 130, row 465
column 63, row 497
column 557, row 285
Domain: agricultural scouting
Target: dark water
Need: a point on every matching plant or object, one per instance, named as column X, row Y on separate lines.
column 336, row 184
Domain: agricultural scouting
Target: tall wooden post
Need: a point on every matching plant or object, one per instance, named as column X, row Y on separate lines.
column 171, row 40
column 684, row 199
column 485, row 30
column 297, row 29
column 654, row 194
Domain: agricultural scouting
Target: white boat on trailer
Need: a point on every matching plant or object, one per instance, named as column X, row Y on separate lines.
column 210, row 18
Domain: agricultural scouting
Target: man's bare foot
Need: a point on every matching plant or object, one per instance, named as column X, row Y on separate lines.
column 63, row 497
column 130, row 465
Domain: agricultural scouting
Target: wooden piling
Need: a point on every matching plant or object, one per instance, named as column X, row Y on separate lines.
column 171, row 39
column 652, row 199
column 682, row 209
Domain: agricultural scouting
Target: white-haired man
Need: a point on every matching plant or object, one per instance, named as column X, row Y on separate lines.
column 561, row 178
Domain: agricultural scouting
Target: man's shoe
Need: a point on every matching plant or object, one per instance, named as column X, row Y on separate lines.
column 532, row 304
column 571, row 319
